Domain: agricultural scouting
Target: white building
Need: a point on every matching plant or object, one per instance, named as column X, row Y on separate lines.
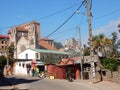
column 39, row 56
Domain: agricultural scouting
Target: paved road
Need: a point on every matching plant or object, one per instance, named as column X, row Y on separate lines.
column 32, row 83
column 47, row 84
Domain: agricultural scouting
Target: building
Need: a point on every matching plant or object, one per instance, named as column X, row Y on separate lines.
column 41, row 54
column 47, row 44
column 28, row 36
column 72, row 43
column 37, row 56
column 3, row 44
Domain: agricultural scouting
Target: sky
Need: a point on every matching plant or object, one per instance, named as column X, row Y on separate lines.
column 53, row 13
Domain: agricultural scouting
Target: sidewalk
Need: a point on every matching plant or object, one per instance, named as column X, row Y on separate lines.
column 104, row 85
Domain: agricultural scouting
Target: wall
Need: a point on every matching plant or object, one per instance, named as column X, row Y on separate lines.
column 31, row 54
column 115, row 78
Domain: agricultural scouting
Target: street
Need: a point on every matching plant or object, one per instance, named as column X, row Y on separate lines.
column 33, row 83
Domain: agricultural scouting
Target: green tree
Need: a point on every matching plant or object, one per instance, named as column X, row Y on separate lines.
column 3, row 62
column 86, row 51
column 58, row 45
column 110, row 63
column 100, row 43
column 10, row 54
column 114, row 44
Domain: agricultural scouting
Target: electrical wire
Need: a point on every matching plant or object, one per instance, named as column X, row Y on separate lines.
column 65, row 21
column 47, row 16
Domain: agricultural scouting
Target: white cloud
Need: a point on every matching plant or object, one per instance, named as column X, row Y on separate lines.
column 107, row 29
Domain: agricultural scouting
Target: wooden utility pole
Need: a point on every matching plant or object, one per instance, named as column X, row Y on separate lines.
column 80, row 45
column 90, row 40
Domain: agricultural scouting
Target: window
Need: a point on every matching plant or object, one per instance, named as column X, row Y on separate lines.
column 37, row 56
column 2, row 42
column 19, row 64
column 2, row 46
column 26, row 55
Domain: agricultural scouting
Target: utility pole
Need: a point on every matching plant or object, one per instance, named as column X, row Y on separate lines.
column 90, row 40
column 80, row 45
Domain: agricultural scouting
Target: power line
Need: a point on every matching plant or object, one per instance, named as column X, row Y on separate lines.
column 65, row 20
column 108, row 14
column 50, row 15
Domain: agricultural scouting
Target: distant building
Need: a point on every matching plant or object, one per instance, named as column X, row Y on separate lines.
column 47, row 44
column 73, row 46
column 3, row 44
column 72, row 43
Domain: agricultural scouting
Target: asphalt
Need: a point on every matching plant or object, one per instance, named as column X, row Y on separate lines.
column 10, row 83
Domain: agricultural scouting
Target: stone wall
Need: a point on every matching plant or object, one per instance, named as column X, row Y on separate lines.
column 115, row 76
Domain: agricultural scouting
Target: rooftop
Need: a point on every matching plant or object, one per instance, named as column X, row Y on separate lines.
column 50, row 51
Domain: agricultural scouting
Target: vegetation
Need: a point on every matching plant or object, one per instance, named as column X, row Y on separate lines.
column 101, row 42
column 110, row 63
column 58, row 45
column 108, row 47
column 86, row 51
column 3, row 59
column 3, row 62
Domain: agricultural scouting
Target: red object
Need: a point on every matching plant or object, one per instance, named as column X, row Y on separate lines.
column 77, row 73
column 57, row 71
column 4, row 36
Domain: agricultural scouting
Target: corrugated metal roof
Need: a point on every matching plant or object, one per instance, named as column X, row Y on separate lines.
column 50, row 51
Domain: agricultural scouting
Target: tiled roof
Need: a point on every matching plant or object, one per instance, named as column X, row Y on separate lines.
column 21, row 29
column 4, row 36
column 46, row 39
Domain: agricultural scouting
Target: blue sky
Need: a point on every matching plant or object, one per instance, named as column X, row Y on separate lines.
column 106, row 17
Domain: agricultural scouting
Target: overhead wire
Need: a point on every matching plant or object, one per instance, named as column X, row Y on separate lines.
column 47, row 16
column 65, row 21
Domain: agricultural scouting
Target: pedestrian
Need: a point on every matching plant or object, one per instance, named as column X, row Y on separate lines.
column 33, row 71
column 37, row 71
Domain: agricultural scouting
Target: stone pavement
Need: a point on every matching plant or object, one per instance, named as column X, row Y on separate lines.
column 104, row 85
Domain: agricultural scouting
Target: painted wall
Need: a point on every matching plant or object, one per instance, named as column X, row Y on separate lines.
column 20, row 68
column 30, row 53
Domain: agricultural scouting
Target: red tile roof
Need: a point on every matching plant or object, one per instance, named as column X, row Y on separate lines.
column 4, row 36
column 46, row 39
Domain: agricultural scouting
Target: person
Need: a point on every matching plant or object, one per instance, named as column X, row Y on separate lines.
column 37, row 71
column 33, row 72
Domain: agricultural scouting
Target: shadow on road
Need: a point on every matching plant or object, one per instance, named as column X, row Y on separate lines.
column 14, row 81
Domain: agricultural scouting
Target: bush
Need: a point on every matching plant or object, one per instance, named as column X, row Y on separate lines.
column 110, row 63
column 3, row 62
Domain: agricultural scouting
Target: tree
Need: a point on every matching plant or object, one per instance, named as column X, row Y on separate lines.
column 58, row 45
column 114, row 44
column 10, row 54
column 3, row 62
column 100, row 43
column 86, row 51
column 110, row 63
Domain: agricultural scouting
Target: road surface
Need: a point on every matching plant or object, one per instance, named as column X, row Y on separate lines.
column 33, row 83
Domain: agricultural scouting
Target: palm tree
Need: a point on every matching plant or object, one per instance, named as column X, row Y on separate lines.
column 101, row 44
column 114, row 45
